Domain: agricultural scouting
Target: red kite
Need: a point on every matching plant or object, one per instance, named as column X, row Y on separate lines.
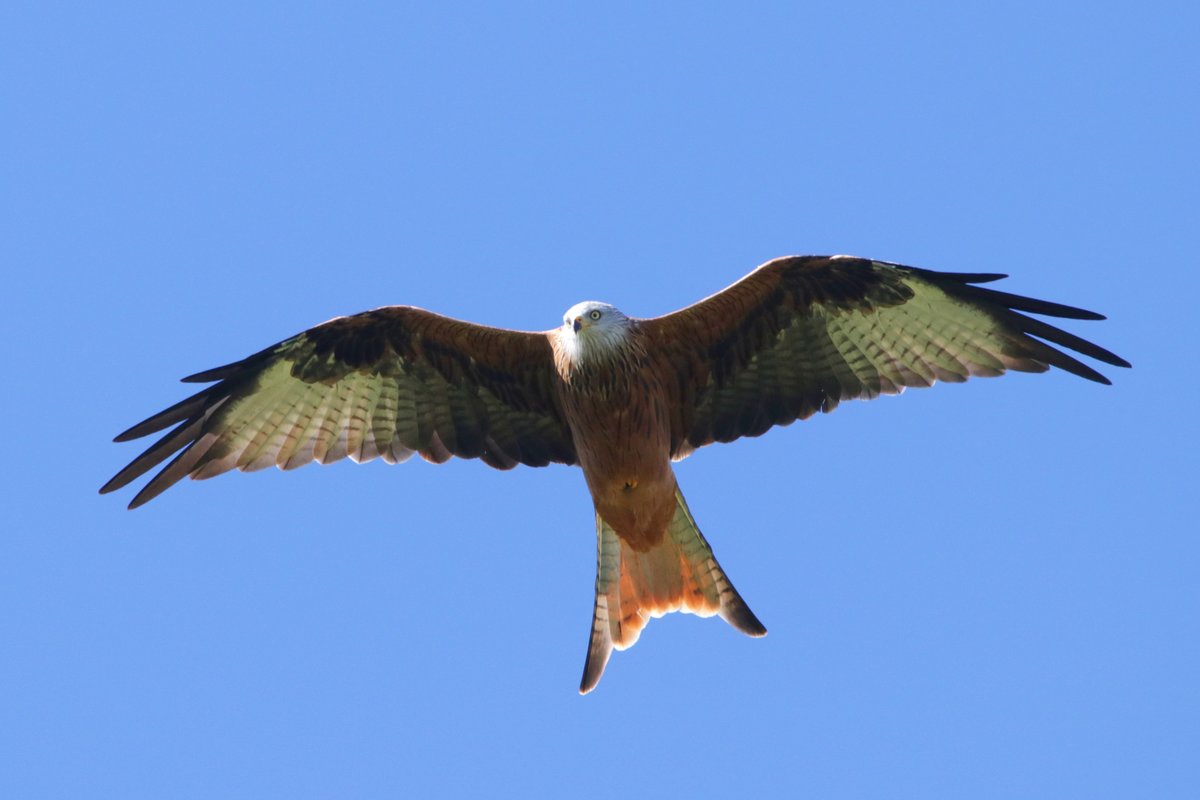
column 618, row 396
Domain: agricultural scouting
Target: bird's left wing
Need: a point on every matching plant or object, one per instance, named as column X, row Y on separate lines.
column 384, row 383
column 802, row 333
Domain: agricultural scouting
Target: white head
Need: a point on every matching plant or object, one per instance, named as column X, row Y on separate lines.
column 594, row 329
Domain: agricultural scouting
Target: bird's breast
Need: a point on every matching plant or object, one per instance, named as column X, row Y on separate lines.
column 622, row 439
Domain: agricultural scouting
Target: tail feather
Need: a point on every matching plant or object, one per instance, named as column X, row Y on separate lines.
column 678, row 574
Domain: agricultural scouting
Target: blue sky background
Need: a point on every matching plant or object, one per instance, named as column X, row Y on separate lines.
column 987, row 590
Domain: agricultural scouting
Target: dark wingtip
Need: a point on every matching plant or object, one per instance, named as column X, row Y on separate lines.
column 139, row 501
column 155, row 487
column 242, row 367
column 207, row 376
column 960, row 277
column 982, row 277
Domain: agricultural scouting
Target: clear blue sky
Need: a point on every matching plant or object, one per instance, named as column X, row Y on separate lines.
column 989, row 590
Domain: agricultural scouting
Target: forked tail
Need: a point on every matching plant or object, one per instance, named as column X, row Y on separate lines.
column 680, row 573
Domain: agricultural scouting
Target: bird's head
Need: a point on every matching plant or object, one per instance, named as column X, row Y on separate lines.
column 595, row 328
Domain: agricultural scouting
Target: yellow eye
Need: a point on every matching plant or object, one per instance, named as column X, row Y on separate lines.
column 594, row 314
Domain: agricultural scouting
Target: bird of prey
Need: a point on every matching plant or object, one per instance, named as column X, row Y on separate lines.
column 620, row 397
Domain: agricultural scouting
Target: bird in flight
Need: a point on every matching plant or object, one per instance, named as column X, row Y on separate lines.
column 618, row 396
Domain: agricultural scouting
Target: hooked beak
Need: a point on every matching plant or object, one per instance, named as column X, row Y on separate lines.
column 577, row 324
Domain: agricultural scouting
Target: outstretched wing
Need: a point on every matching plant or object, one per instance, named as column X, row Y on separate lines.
column 800, row 334
column 384, row 383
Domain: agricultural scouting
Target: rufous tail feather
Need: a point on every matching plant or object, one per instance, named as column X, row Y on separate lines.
column 678, row 574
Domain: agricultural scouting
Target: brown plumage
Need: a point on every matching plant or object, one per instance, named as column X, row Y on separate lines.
column 620, row 397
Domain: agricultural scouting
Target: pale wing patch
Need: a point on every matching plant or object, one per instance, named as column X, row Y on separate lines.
column 288, row 422
column 930, row 338
column 358, row 430
column 833, row 355
column 399, row 434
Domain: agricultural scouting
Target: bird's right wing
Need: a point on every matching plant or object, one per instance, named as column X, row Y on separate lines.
column 385, row 383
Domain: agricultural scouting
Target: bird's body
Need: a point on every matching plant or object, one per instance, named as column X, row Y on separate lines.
column 652, row 558
column 620, row 397
column 613, row 390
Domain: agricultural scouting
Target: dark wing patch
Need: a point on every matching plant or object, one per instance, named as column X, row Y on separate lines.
column 383, row 384
column 801, row 334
